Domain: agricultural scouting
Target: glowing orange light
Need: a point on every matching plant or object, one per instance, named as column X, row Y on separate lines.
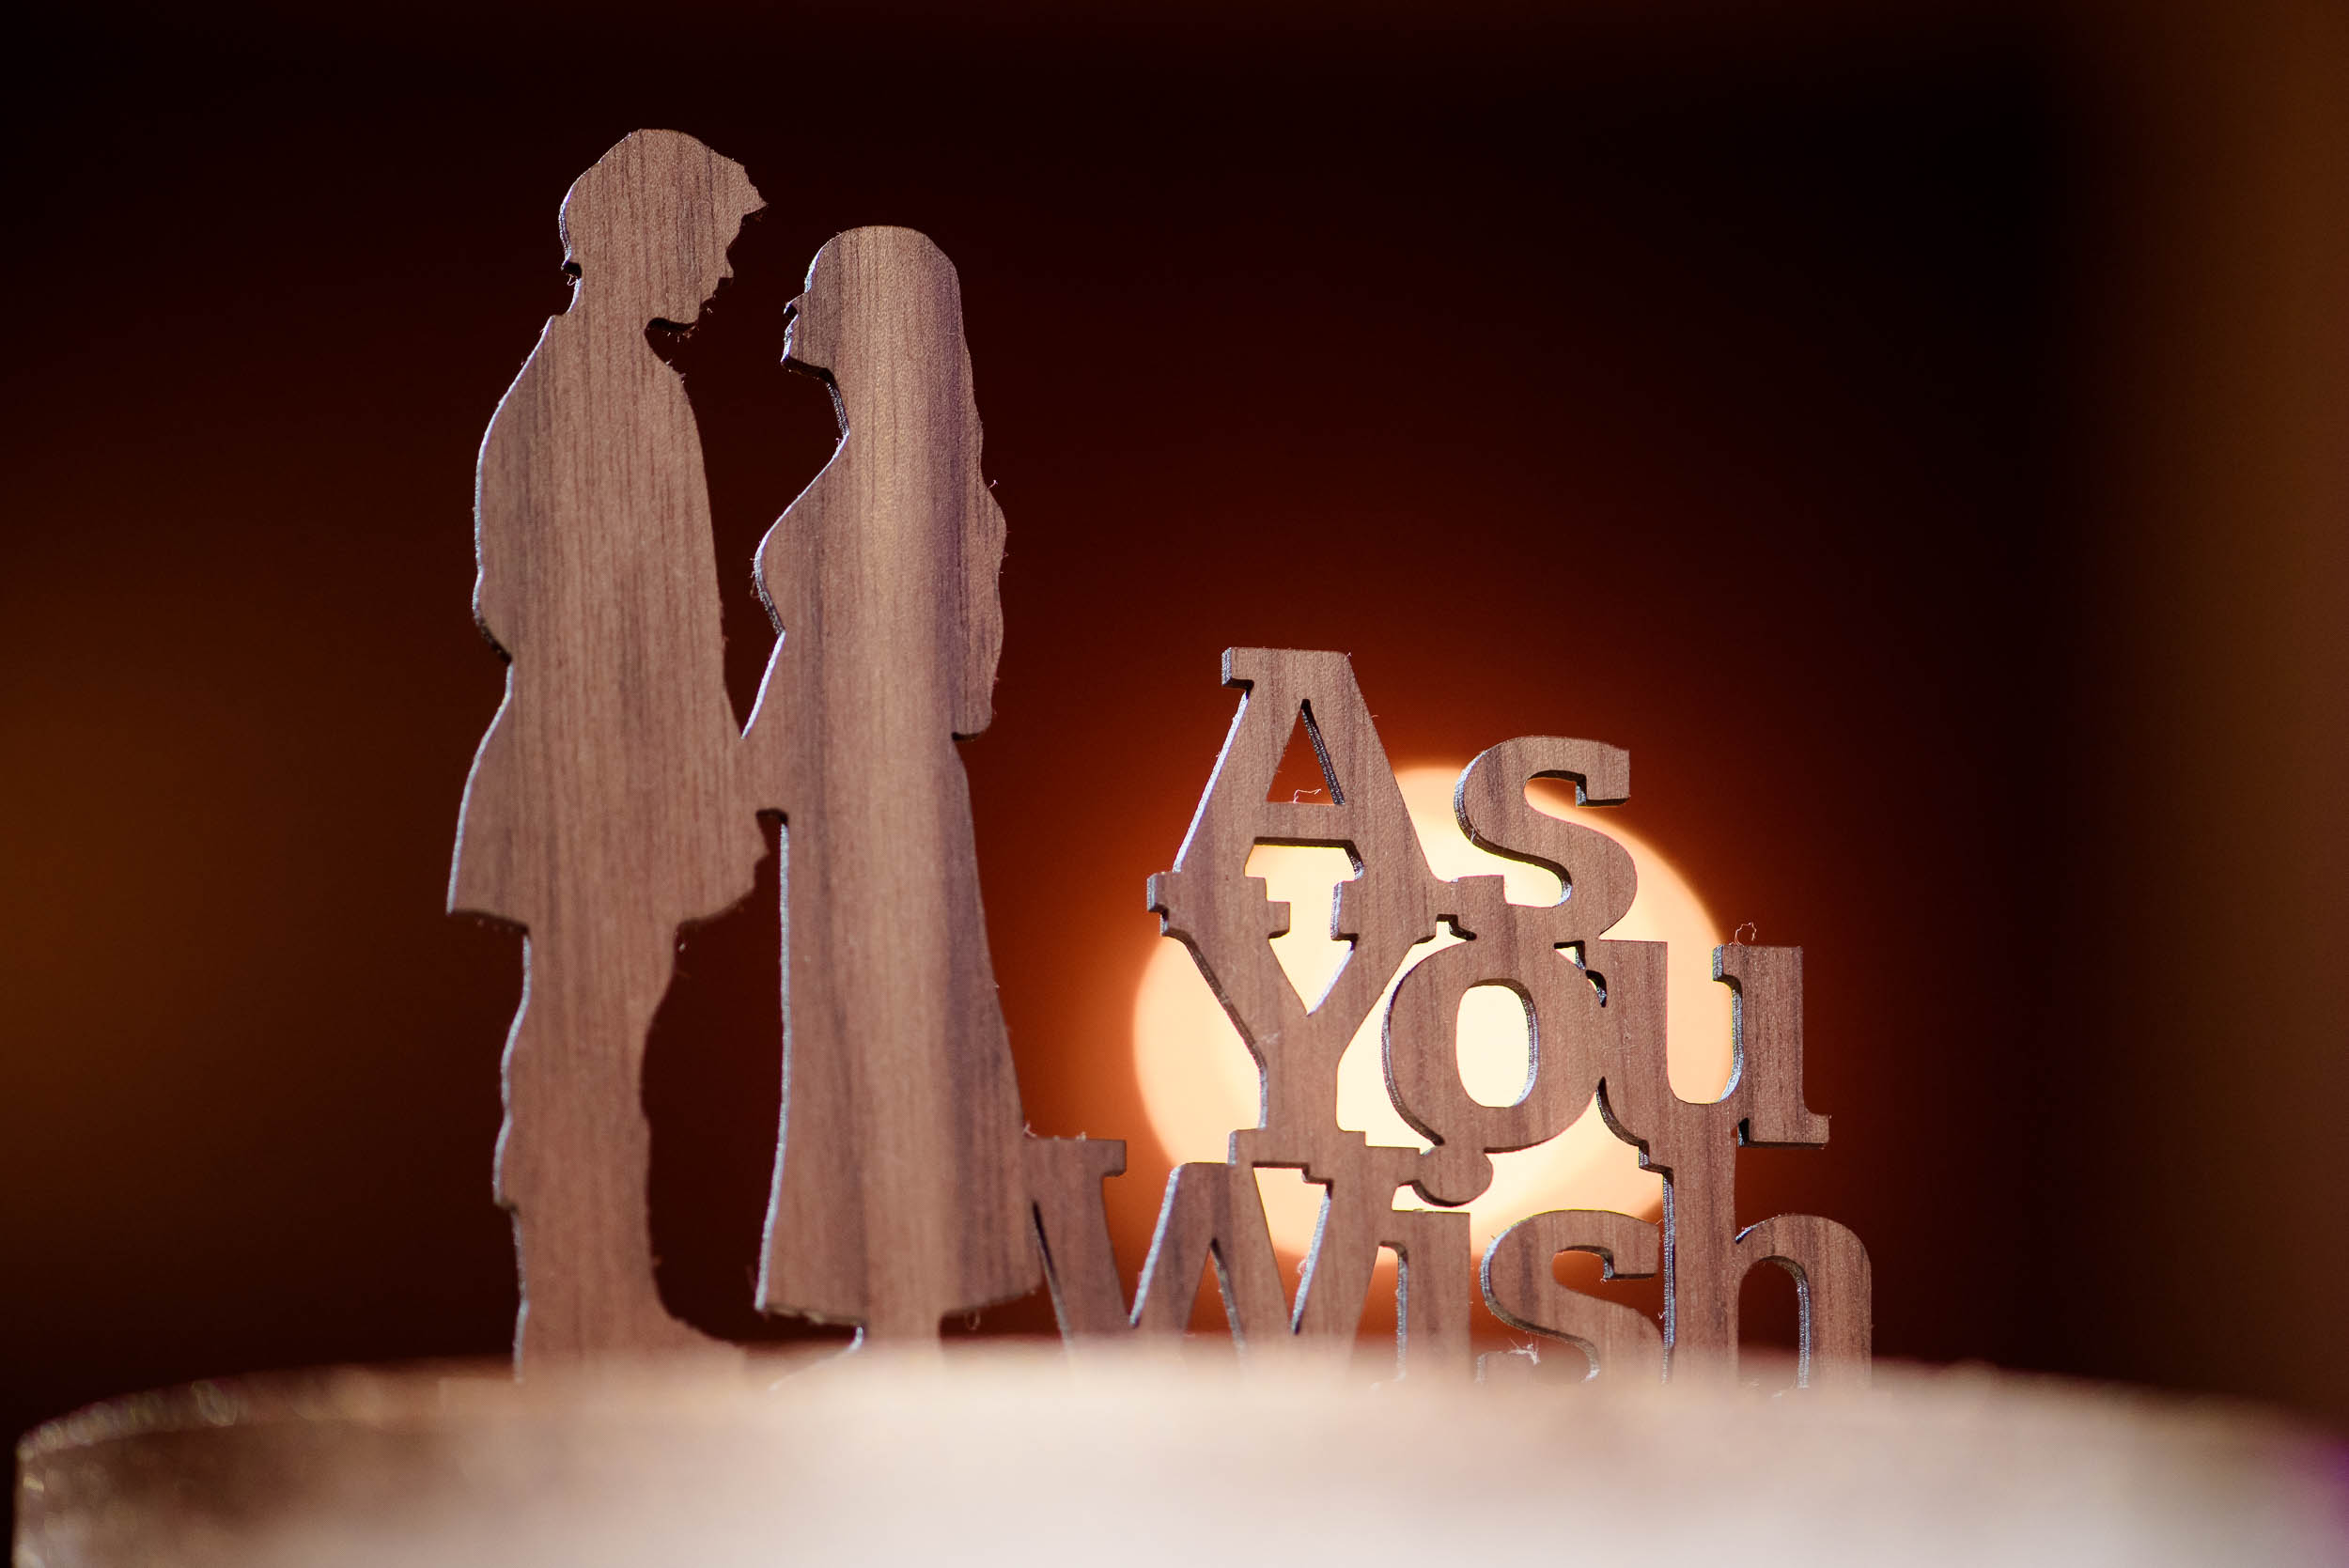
column 1198, row 1082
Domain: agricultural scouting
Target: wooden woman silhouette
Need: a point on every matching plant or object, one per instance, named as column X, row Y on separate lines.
column 607, row 803
column 898, row 1197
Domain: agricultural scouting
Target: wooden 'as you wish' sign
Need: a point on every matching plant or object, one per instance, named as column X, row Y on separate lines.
column 614, row 799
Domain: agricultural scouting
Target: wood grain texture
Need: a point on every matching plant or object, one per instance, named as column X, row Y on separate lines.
column 1695, row 1147
column 1513, row 947
column 1214, row 1214
column 1072, row 1229
column 1434, row 1294
column 900, row 1193
column 1619, row 1343
column 1209, row 902
column 607, row 802
column 1530, row 949
column 1394, row 901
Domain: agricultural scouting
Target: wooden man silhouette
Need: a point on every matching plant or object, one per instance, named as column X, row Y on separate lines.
column 607, row 803
column 898, row 1193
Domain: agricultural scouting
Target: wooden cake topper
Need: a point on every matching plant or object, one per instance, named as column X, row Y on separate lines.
column 899, row 1192
column 1596, row 1013
column 607, row 804
column 614, row 800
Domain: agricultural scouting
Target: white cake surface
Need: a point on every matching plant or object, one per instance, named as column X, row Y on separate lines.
column 1022, row 1456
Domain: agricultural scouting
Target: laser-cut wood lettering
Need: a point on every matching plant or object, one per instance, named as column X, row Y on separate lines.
column 1072, row 1228
column 1617, row 1341
column 1695, row 1146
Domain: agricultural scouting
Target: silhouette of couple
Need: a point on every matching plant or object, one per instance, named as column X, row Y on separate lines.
column 612, row 798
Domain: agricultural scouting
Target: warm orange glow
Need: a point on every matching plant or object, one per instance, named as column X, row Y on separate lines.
column 1198, row 1082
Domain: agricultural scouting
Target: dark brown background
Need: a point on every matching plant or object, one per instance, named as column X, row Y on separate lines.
column 1919, row 440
